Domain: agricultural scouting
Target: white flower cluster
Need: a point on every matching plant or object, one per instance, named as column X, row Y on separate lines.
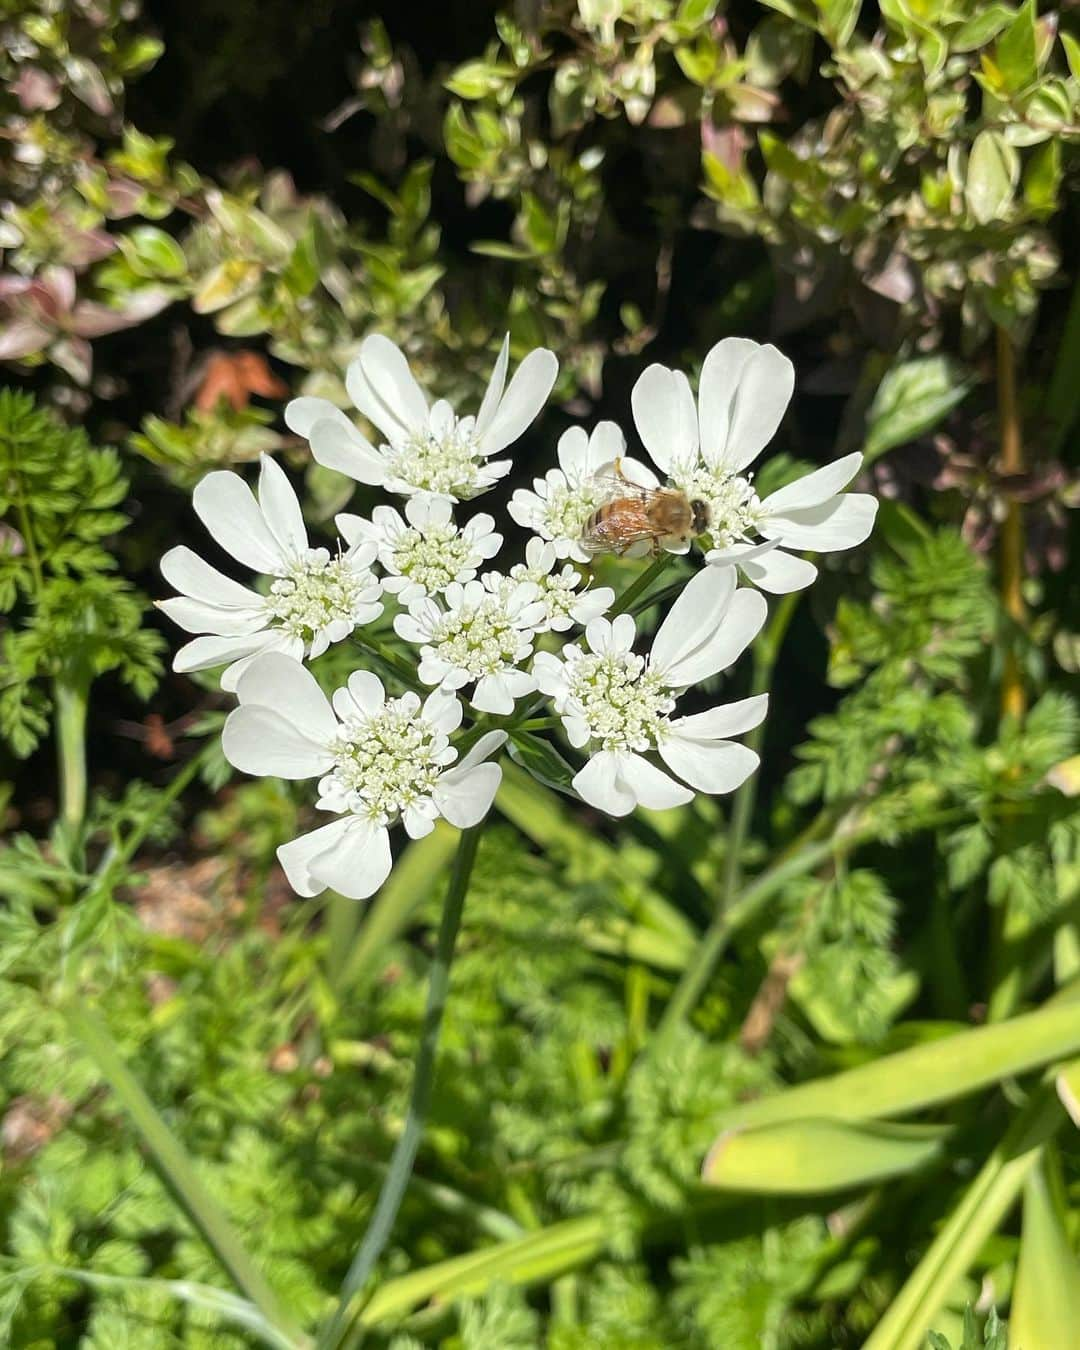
column 482, row 635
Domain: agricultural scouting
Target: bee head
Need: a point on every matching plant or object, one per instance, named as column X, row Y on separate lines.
column 701, row 515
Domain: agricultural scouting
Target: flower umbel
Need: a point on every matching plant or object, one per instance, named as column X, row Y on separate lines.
column 704, row 448
column 483, row 635
column 379, row 760
column 424, row 552
column 426, row 449
column 619, row 705
column 565, row 603
column 315, row 598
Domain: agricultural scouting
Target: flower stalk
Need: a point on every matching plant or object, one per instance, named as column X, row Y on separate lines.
column 70, row 703
column 397, row 1177
column 1013, row 697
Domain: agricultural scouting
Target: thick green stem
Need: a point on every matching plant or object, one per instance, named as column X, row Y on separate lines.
column 766, row 653
column 404, row 1156
column 642, row 583
column 70, row 703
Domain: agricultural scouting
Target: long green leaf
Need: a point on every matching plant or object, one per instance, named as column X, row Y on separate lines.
column 983, row 1206
column 924, row 1075
column 1046, row 1298
column 538, row 1256
column 176, row 1168
column 809, row 1157
column 206, row 1297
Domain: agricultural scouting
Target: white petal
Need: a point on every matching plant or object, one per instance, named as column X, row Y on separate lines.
column 297, row 856
column 281, row 507
column 651, row 786
column 196, row 616
column 841, row 523
column 184, row 570
column 726, row 719
column 710, row 766
column 416, row 823
column 659, row 400
column 357, row 863
column 745, row 390
column 484, row 748
column 741, row 624
column 226, row 506
column 443, row 711
column 607, row 443
column 779, row 573
column 289, row 688
column 494, row 391
column 363, row 694
column 392, row 398
column 277, row 641
column 573, row 453
column 259, row 741
column 343, row 448
column 204, row 653
column 525, row 396
column 599, row 783
column 493, row 693
column 812, row 489
column 301, row 414
column 464, row 795
column 354, row 529
column 550, row 674
column 694, row 617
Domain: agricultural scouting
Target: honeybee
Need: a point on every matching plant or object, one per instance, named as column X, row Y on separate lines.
column 666, row 517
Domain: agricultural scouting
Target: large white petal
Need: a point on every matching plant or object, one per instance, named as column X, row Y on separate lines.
column 779, row 573
column 572, row 452
column 665, row 421
column 710, row 766
column 389, row 388
column 599, row 783
column 281, row 507
column 651, row 786
column 740, row 625
column 357, row 862
column 289, row 688
column 260, row 741
column 726, row 719
column 745, row 390
column 206, row 652
column 297, row 856
column 841, row 523
column 196, row 616
column 464, row 795
column 484, row 748
column 607, row 443
column 276, row 640
column 343, row 448
column 525, row 395
column 186, row 572
column 226, row 506
column 694, row 617
column 363, row 695
column 494, row 391
column 301, row 414
column 812, row 489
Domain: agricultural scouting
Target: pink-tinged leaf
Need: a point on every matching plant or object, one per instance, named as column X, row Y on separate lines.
column 23, row 337
column 74, row 357
column 93, row 320
column 59, row 284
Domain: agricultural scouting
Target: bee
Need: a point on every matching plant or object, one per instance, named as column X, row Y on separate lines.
column 632, row 514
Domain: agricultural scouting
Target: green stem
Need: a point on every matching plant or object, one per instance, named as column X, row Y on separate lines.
column 766, row 654
column 641, row 584
column 401, row 1164
column 70, row 702
column 176, row 1168
column 750, row 903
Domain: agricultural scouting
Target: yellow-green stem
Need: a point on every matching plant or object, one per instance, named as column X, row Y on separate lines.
column 69, row 700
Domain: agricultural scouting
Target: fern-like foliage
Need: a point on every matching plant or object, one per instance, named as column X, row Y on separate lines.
column 71, row 617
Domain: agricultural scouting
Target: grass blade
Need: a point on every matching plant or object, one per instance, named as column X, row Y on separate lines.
column 176, row 1168
column 1046, row 1298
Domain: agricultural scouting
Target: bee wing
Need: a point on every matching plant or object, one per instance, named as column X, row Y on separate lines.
column 624, row 522
column 622, row 489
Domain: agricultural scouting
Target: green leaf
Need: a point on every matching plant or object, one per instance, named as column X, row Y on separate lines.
column 913, row 398
column 981, row 28
column 992, row 174
column 540, row 758
column 1042, row 178
column 838, row 19
column 1046, row 1297
column 478, row 79
column 925, row 1075
column 1072, row 54
column 152, row 253
column 1015, row 55
column 809, row 1157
